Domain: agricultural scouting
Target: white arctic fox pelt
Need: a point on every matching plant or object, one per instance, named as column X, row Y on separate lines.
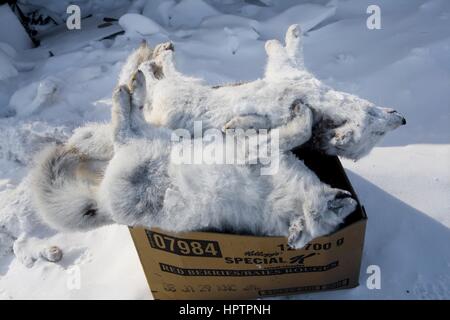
column 342, row 124
column 142, row 186
column 288, row 98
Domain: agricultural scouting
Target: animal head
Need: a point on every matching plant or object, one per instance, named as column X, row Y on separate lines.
column 352, row 127
column 65, row 190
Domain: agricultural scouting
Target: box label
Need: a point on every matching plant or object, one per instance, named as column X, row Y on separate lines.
column 244, row 273
column 184, row 247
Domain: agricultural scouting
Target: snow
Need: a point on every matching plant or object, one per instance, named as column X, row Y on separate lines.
column 190, row 13
column 138, row 25
column 407, row 234
column 11, row 31
column 7, row 68
column 59, row 7
column 404, row 183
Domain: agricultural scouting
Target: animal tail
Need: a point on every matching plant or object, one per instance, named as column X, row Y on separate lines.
column 53, row 182
column 53, row 167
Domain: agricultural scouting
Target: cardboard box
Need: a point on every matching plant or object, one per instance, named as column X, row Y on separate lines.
column 206, row 265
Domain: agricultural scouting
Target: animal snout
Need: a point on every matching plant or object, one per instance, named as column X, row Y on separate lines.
column 396, row 118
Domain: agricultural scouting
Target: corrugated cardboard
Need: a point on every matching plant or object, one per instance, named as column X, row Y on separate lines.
column 207, row 265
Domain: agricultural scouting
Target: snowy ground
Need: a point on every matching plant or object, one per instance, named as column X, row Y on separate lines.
column 404, row 183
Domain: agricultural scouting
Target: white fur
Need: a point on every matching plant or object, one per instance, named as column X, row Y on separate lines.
column 140, row 55
column 64, row 196
column 65, row 179
column 141, row 186
column 288, row 97
column 94, row 140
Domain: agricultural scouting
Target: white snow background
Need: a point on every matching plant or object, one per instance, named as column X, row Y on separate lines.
column 404, row 183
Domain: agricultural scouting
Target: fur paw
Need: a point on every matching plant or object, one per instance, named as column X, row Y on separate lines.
column 120, row 115
column 138, row 90
column 293, row 32
column 297, row 236
column 321, row 221
column 342, row 204
column 161, row 48
column 274, row 48
column 325, row 216
column 294, row 45
column 164, row 65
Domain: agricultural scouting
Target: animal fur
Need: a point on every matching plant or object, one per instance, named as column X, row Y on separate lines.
column 65, row 185
column 288, row 98
column 142, row 186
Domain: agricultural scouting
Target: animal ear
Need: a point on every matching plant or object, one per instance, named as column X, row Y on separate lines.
column 294, row 45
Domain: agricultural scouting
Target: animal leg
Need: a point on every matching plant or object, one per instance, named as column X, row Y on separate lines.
column 120, row 115
column 322, row 208
column 294, row 45
column 140, row 55
column 250, row 121
column 164, row 58
column 324, row 213
column 298, row 128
